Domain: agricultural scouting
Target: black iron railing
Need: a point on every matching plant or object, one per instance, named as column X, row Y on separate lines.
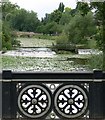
column 58, row 96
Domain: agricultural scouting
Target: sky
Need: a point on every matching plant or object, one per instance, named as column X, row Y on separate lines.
column 43, row 6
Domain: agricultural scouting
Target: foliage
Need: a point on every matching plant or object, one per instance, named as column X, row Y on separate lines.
column 95, row 62
column 56, row 16
column 0, row 34
column 100, row 18
column 83, row 8
column 62, row 39
column 98, row 37
column 91, row 44
column 6, row 36
column 100, row 21
column 61, row 7
column 51, row 28
column 66, row 16
column 8, row 41
column 8, row 10
column 72, row 26
column 62, row 43
column 80, row 28
column 25, row 21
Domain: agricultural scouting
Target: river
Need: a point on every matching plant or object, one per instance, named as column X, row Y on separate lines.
column 41, row 58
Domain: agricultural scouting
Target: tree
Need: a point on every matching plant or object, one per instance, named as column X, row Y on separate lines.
column 46, row 19
column 61, row 7
column 56, row 16
column 80, row 28
column 25, row 21
column 6, row 36
column 8, row 41
column 8, row 9
column 100, row 12
column 83, row 7
column 66, row 16
column 50, row 28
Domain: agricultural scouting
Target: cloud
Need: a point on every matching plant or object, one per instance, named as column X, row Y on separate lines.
column 43, row 6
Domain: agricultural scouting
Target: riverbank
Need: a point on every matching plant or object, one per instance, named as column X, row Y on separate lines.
column 35, row 42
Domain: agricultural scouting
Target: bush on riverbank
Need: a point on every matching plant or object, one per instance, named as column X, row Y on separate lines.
column 96, row 62
column 8, row 40
column 46, row 36
column 63, row 44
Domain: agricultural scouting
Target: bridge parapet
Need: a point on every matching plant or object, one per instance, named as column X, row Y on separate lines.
column 58, row 96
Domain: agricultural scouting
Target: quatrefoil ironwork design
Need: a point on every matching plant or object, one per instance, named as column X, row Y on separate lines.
column 34, row 101
column 70, row 101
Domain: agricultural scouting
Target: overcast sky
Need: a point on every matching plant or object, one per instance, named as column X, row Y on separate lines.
column 43, row 6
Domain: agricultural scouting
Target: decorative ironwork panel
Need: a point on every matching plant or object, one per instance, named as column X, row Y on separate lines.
column 34, row 101
column 58, row 96
column 70, row 101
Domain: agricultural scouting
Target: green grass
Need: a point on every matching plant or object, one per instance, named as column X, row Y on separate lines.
column 92, row 44
column 34, row 42
column 48, row 37
column 96, row 62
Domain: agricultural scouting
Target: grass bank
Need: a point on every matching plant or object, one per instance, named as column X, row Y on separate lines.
column 45, row 36
column 34, row 42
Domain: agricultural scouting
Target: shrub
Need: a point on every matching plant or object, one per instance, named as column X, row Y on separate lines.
column 96, row 62
column 8, row 40
column 62, row 43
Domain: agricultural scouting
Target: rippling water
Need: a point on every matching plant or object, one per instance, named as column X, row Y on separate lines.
column 28, row 60
column 25, row 62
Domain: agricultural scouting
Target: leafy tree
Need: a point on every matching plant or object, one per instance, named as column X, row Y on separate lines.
column 73, row 12
column 56, row 16
column 62, row 43
column 25, row 21
column 100, row 20
column 80, row 28
column 61, row 7
column 51, row 28
column 8, row 41
column 66, row 16
column 8, row 10
column 100, row 15
column 83, row 7
column 46, row 19
column 6, row 36
column 19, row 19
